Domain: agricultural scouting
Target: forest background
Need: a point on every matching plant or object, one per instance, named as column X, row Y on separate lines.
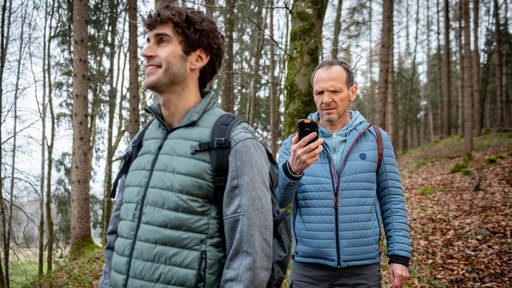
column 71, row 97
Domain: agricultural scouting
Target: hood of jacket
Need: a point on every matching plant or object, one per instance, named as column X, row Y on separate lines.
column 334, row 142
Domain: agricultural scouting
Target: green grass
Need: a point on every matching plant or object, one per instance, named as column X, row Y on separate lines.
column 78, row 273
column 22, row 271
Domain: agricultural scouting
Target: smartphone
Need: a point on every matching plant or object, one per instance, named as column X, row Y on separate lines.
column 307, row 126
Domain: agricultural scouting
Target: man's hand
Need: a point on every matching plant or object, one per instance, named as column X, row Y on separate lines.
column 398, row 275
column 302, row 156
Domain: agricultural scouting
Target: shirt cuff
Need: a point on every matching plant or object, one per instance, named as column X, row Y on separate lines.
column 399, row 260
column 289, row 174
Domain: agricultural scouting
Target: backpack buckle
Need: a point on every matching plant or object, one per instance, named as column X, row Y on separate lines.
column 220, row 143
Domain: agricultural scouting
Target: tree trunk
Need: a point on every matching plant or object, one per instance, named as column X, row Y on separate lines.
column 499, row 68
column 274, row 105
column 384, row 65
column 80, row 174
column 447, row 109
column 460, row 43
column 209, row 5
column 228, row 95
column 133, row 87
column 305, row 38
column 50, row 145
column 259, row 40
column 14, row 147
column 112, row 100
column 4, row 44
column 440, row 107
column 476, row 73
column 468, row 89
column 337, row 30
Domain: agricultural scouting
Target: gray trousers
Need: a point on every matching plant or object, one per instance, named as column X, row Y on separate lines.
column 307, row 275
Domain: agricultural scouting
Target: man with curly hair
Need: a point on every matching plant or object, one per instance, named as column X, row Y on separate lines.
column 166, row 229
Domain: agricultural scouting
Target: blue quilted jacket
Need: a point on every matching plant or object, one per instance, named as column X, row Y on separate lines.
column 341, row 200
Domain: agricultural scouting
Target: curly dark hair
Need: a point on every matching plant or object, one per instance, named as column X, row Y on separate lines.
column 197, row 30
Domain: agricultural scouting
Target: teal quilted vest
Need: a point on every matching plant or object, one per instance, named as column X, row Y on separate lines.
column 169, row 230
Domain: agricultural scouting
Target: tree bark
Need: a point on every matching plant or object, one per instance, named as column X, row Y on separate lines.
column 228, row 95
column 386, row 48
column 80, row 174
column 305, row 38
column 274, row 105
column 440, row 107
column 468, row 89
column 4, row 44
column 50, row 146
column 259, row 40
column 133, row 87
column 447, row 109
column 337, row 30
column 499, row 68
column 477, row 95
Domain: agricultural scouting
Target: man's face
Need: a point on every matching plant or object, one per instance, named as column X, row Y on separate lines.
column 166, row 65
column 332, row 96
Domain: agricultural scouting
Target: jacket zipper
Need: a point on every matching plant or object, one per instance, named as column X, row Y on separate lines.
column 139, row 219
column 336, row 193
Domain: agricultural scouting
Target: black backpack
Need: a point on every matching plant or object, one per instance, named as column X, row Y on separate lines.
column 219, row 148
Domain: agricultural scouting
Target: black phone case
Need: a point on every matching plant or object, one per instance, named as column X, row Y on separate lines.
column 307, row 126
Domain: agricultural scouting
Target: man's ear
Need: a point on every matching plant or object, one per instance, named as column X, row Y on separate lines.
column 199, row 59
column 353, row 92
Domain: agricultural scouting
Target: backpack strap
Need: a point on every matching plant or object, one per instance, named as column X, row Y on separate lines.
column 129, row 156
column 219, row 147
column 379, row 144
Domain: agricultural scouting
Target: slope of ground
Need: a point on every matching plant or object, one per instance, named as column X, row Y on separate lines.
column 461, row 222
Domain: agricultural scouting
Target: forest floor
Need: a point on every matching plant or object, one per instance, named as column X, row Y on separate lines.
column 461, row 222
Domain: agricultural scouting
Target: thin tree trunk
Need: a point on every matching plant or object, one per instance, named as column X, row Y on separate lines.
column 209, row 5
column 44, row 109
column 476, row 73
column 468, row 89
column 337, row 30
column 260, row 40
column 440, row 106
column 14, row 146
column 228, row 95
column 394, row 103
column 499, row 68
column 112, row 100
column 460, row 35
column 133, row 88
column 4, row 44
column 384, row 65
column 80, row 174
column 273, row 103
column 49, row 165
column 447, row 109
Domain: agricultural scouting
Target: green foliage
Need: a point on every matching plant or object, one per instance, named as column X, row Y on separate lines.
column 458, row 167
column 463, row 166
column 427, row 191
column 22, row 270
column 494, row 160
column 81, row 272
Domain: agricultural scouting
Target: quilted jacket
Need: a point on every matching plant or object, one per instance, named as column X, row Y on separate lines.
column 341, row 200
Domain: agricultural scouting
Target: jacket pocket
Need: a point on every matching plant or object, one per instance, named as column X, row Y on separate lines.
column 201, row 271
